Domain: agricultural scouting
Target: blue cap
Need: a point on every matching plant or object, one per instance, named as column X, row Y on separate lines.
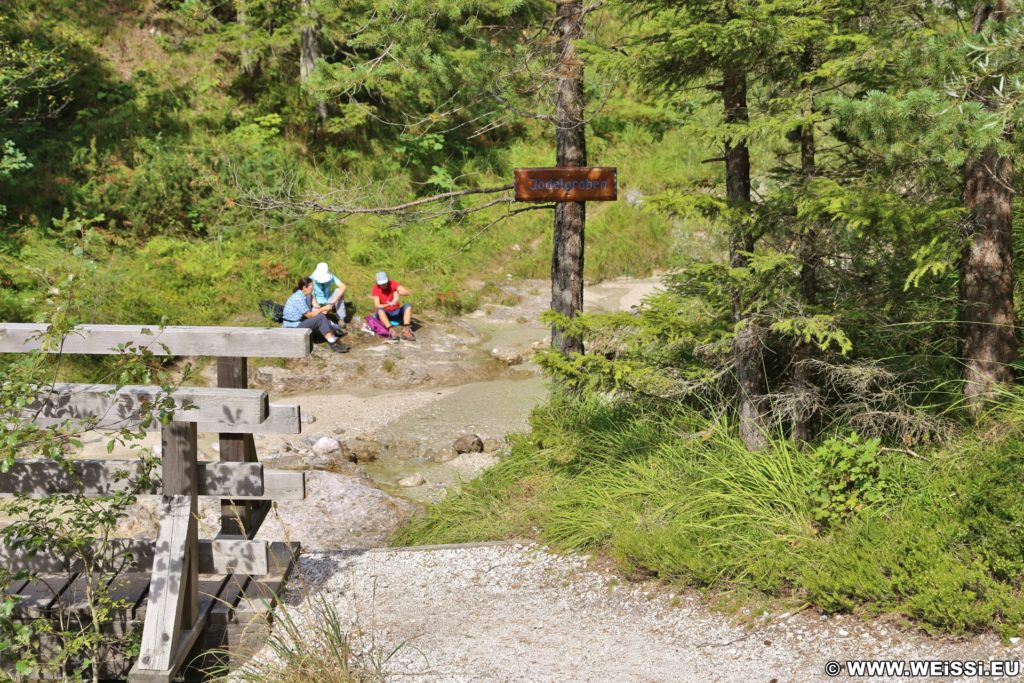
column 382, row 278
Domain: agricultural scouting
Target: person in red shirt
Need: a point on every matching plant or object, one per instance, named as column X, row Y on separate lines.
column 390, row 310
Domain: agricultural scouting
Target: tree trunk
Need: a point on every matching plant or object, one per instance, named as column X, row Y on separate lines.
column 987, row 316
column 309, row 52
column 746, row 348
column 249, row 63
column 805, row 410
column 571, row 146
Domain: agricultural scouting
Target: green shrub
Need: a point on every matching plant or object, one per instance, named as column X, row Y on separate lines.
column 848, row 477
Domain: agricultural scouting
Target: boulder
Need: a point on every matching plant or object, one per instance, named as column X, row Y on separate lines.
column 470, row 443
column 340, row 511
column 491, row 444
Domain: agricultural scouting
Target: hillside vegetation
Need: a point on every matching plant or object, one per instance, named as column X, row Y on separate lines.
column 132, row 168
column 821, row 404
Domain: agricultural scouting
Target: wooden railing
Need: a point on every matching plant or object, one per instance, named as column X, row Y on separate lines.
column 177, row 610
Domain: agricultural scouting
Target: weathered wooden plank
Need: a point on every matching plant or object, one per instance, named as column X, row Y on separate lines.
column 252, row 342
column 36, row 597
column 116, row 408
column 281, row 419
column 167, row 589
column 235, row 556
column 277, row 485
column 222, row 556
column 180, row 451
column 40, row 476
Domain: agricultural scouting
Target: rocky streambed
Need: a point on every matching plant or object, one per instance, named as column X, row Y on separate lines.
column 389, row 428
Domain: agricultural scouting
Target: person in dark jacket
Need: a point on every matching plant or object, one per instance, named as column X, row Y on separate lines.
column 299, row 312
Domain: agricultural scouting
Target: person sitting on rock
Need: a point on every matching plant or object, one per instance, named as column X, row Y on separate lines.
column 328, row 290
column 299, row 312
column 389, row 308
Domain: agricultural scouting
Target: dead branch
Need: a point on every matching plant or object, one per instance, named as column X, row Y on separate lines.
column 315, row 203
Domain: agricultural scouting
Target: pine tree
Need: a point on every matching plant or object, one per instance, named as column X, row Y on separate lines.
column 987, row 314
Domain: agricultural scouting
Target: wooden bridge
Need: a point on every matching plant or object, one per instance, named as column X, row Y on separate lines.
column 189, row 596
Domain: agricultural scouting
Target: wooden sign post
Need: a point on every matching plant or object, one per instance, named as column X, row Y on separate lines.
column 570, row 187
column 567, row 184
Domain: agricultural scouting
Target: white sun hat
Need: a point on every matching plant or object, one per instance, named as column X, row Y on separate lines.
column 322, row 274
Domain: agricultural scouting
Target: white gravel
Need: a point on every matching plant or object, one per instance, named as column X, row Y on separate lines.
column 519, row 613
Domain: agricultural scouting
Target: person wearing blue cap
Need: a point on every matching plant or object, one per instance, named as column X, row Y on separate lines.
column 389, row 308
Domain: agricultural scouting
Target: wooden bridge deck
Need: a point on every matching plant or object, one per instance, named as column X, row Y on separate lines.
column 239, row 611
column 186, row 602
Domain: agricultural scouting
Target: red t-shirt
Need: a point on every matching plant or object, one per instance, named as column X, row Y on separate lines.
column 386, row 296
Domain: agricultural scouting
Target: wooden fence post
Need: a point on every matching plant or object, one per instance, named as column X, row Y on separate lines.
column 181, row 478
column 235, row 519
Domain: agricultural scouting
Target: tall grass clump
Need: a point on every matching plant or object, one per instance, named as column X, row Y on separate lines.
column 314, row 644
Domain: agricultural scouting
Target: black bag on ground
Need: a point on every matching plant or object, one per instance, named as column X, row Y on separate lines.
column 272, row 311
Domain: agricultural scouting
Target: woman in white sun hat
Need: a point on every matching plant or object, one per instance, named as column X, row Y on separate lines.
column 328, row 290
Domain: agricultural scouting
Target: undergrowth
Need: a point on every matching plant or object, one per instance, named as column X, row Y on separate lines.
column 846, row 526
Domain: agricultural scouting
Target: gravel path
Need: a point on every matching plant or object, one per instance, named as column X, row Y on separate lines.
column 518, row 613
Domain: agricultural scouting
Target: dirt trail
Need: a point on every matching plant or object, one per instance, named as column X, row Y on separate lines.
column 517, row 613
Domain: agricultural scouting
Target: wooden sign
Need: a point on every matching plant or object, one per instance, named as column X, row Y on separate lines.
column 567, row 184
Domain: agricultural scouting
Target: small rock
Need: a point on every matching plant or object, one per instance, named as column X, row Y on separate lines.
column 843, row 633
column 470, row 443
column 415, row 479
column 325, row 445
column 340, row 430
column 307, row 418
column 491, row 444
column 507, row 356
column 1014, row 641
